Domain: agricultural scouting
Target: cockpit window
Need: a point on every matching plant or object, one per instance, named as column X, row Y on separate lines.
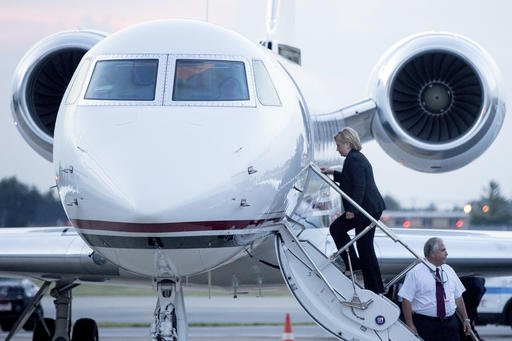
column 210, row 80
column 267, row 94
column 123, row 80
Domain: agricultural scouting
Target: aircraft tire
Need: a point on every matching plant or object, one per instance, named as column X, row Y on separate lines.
column 7, row 325
column 85, row 330
column 40, row 333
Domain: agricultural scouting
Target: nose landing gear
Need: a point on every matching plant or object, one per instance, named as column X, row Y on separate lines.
column 169, row 317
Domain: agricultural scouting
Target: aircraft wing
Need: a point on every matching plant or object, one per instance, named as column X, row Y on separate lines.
column 470, row 253
column 59, row 253
column 54, row 253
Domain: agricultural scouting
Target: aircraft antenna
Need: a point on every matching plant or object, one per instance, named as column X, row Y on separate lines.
column 272, row 21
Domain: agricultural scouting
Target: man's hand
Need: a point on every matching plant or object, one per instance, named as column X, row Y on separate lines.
column 461, row 309
column 412, row 327
column 467, row 326
column 407, row 310
column 349, row 215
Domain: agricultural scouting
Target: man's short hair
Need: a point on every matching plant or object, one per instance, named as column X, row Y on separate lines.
column 431, row 245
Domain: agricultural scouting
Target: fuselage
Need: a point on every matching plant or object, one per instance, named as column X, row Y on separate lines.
column 176, row 145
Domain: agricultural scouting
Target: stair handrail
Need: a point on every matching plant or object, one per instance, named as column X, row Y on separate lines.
column 374, row 221
column 315, row 268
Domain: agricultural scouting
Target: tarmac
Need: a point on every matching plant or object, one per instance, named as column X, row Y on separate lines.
column 301, row 333
column 225, row 318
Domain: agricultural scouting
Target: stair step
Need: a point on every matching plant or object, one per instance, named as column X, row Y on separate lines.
column 328, row 296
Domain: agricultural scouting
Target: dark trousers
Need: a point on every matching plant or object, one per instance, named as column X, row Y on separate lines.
column 435, row 329
column 367, row 260
column 475, row 290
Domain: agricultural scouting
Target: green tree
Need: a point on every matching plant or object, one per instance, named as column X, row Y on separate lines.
column 391, row 203
column 431, row 207
column 21, row 205
column 492, row 208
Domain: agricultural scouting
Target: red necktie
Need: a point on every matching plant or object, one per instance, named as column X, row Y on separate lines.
column 441, row 312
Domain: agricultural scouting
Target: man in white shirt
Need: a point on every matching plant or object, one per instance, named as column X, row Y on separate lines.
column 431, row 298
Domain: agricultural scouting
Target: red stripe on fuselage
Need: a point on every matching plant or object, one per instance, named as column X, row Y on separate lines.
column 169, row 227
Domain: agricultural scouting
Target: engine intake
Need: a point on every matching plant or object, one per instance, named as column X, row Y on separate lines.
column 47, row 84
column 40, row 81
column 438, row 99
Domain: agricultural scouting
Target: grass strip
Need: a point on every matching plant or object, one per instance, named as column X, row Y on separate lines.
column 202, row 324
column 85, row 290
column 246, row 324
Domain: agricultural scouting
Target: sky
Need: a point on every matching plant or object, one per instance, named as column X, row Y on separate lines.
column 341, row 41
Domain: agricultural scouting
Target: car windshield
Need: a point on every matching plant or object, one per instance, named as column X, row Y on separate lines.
column 123, row 80
column 9, row 282
column 210, row 80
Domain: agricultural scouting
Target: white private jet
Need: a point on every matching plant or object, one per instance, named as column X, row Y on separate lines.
column 184, row 152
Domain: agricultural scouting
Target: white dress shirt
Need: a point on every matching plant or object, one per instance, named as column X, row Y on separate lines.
column 419, row 288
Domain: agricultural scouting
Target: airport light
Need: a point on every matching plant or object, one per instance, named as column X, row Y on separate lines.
column 459, row 223
column 406, row 224
column 485, row 208
column 467, row 208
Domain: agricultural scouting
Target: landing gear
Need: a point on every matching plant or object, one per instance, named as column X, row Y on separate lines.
column 169, row 317
column 62, row 294
column 84, row 329
column 58, row 329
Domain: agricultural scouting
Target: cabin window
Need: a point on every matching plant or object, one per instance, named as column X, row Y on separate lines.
column 267, row 94
column 210, row 80
column 123, row 80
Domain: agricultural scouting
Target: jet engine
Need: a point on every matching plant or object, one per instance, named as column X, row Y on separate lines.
column 40, row 80
column 438, row 102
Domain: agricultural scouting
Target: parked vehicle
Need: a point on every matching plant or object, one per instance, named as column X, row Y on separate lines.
column 496, row 305
column 15, row 295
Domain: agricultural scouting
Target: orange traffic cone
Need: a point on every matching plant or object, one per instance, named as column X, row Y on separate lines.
column 287, row 333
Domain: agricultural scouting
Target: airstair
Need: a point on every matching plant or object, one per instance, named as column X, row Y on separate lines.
column 334, row 300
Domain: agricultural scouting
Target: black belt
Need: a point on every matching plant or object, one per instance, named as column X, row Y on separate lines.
column 433, row 318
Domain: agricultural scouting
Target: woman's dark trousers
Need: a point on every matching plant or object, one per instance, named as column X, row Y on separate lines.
column 367, row 260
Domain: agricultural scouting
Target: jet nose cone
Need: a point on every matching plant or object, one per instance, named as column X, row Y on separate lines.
column 177, row 170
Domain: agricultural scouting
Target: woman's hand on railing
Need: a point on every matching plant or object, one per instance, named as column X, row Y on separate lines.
column 327, row 171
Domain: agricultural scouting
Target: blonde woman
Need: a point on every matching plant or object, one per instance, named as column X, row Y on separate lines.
column 356, row 180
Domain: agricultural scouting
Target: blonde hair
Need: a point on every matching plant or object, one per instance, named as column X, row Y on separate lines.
column 350, row 136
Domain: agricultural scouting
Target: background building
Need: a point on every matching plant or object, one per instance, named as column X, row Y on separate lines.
column 426, row 219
